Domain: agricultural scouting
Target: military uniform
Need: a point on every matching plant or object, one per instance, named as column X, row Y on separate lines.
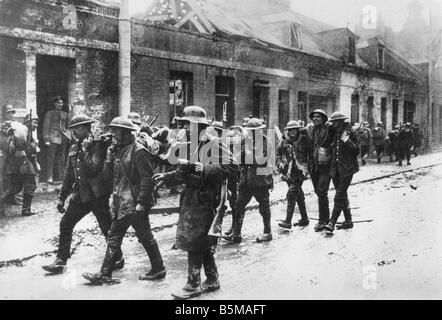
column 19, row 170
column 198, row 202
column 255, row 181
column 291, row 160
column 405, row 142
column 379, row 141
column 56, row 136
column 365, row 137
column 320, row 139
column 131, row 174
column 343, row 166
column 84, row 182
column 393, row 147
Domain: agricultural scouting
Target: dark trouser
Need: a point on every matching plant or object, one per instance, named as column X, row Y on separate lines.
column 404, row 151
column 245, row 195
column 380, row 152
column 341, row 197
column 55, row 158
column 364, row 152
column 141, row 224
column 198, row 259
column 232, row 188
column 295, row 195
column 75, row 211
column 2, row 189
column 17, row 182
column 321, row 183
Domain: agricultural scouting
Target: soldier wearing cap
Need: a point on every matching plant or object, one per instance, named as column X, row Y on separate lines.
column 365, row 137
column 256, row 180
column 291, row 161
column 207, row 165
column 55, row 136
column 344, row 164
column 320, row 137
column 405, row 142
column 83, row 181
column 129, row 172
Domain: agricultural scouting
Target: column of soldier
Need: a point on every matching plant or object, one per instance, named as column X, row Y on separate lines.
column 113, row 177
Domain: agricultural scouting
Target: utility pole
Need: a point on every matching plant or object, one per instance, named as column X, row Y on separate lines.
column 124, row 59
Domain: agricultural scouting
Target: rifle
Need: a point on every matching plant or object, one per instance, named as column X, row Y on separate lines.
column 216, row 227
column 154, row 120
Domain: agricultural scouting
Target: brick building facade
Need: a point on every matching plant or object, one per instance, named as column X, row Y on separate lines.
column 272, row 67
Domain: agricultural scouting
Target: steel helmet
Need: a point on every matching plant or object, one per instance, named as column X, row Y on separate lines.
column 122, row 122
column 293, row 125
column 194, row 114
column 338, row 116
column 254, row 124
column 8, row 109
column 135, row 117
column 217, row 125
column 319, row 111
column 28, row 118
column 79, row 120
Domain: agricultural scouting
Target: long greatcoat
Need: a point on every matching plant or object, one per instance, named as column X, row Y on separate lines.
column 201, row 195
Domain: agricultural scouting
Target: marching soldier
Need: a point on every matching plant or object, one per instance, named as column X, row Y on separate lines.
column 379, row 140
column 209, row 163
column 83, row 180
column 128, row 166
column 393, row 137
column 235, row 140
column 256, row 181
column 291, row 161
column 343, row 166
column 365, row 138
column 321, row 138
column 19, row 170
column 405, row 142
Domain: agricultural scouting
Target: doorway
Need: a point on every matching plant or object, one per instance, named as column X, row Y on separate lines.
column 55, row 77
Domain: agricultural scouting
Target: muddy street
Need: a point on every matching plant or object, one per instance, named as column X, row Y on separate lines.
column 393, row 252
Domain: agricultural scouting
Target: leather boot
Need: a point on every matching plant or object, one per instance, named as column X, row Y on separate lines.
column 105, row 274
column 267, row 235
column 235, row 236
column 211, row 271
column 57, row 267
column 158, row 270
column 287, row 224
column 330, row 227
column 348, row 224
column 120, row 260
column 192, row 288
column 302, row 209
column 26, row 207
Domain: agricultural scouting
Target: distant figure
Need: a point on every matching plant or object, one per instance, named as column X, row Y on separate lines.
column 379, row 135
column 405, row 143
column 365, row 138
column 56, row 136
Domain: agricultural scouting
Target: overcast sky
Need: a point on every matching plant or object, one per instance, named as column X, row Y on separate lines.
column 341, row 12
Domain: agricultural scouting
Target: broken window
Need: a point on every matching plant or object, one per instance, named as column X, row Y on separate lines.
column 395, row 112
column 354, row 109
